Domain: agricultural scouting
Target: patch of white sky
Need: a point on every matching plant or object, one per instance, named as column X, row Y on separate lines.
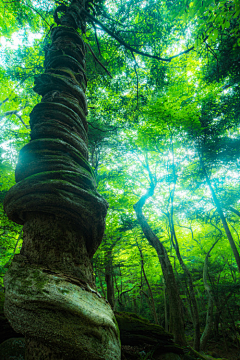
column 182, row 44
column 25, row 36
column 17, row 40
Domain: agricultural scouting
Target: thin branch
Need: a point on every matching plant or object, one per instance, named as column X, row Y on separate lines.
column 181, row 53
column 15, row 112
column 126, row 291
column 21, row 119
column 19, row 237
column 32, row 8
column 122, row 42
column 96, row 37
column 4, row 101
column 216, row 227
column 235, row 211
column 235, row 232
column 98, row 61
column 105, row 15
column 135, row 69
column 103, row 130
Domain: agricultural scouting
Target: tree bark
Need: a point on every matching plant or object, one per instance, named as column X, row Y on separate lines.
column 172, row 289
column 222, row 217
column 109, row 277
column 209, row 317
column 148, row 285
column 50, row 291
column 194, row 308
column 165, row 307
column 235, row 211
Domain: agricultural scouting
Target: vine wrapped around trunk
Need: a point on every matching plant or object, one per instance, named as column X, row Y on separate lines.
column 50, row 292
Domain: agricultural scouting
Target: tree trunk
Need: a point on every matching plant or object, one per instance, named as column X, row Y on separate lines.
column 235, row 211
column 222, row 217
column 194, row 308
column 165, row 307
column 172, row 289
column 50, row 291
column 148, row 285
column 109, row 277
column 209, row 317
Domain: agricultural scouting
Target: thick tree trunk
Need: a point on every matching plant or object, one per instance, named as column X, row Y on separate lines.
column 169, row 278
column 50, row 291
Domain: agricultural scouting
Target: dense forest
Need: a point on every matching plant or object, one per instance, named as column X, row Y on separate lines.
column 119, row 173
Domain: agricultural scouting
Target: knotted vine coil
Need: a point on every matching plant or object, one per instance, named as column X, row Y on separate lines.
column 53, row 174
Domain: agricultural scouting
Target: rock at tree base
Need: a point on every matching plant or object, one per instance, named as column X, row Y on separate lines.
column 80, row 321
column 169, row 356
column 13, row 349
column 151, row 339
column 6, row 331
column 139, row 335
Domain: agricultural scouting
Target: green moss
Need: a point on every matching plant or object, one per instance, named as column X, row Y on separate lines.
column 24, row 277
column 141, row 329
column 40, row 279
column 63, row 291
column 117, row 327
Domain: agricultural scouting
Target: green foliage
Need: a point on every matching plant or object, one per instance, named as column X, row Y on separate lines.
column 149, row 123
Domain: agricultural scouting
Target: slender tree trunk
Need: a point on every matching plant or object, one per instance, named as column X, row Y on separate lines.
column 174, row 241
column 172, row 289
column 209, row 317
column 98, row 274
column 148, row 285
column 222, row 217
column 194, row 307
column 165, row 308
column 109, row 277
column 50, row 292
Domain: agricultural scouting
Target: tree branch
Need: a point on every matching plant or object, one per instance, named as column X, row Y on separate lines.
column 98, row 61
column 4, row 101
column 15, row 112
column 235, row 211
column 115, row 128
column 122, row 42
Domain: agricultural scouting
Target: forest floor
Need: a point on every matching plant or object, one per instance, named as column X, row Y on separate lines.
column 223, row 350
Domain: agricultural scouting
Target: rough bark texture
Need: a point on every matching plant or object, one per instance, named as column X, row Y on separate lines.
column 50, row 291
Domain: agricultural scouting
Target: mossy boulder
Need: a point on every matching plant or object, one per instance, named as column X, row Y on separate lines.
column 169, row 356
column 6, row 331
column 138, row 332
